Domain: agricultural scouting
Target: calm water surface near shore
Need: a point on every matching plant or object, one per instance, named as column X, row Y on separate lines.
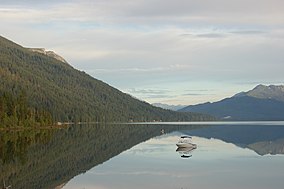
column 231, row 155
column 238, row 155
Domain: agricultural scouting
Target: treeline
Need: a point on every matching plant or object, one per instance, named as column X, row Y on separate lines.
column 15, row 111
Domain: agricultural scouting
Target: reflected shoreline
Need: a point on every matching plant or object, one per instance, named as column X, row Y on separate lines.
column 239, row 123
column 52, row 157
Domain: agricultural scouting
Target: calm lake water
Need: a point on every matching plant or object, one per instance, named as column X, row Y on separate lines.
column 228, row 155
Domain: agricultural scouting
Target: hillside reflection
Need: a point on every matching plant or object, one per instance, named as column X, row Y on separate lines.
column 50, row 158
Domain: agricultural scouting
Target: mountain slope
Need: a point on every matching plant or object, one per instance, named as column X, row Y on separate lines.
column 261, row 103
column 267, row 92
column 69, row 94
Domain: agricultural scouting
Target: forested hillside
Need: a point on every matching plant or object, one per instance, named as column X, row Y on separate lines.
column 67, row 94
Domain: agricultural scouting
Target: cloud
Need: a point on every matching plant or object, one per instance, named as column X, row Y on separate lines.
column 134, row 70
column 196, row 94
column 204, row 35
column 254, row 83
column 149, row 13
column 199, row 90
column 211, row 35
column 158, row 96
column 151, row 93
column 157, row 44
column 148, row 91
column 249, row 32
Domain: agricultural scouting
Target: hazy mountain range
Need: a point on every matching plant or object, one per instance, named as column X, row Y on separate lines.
column 261, row 103
column 169, row 107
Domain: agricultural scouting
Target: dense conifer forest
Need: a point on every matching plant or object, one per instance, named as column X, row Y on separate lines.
column 15, row 111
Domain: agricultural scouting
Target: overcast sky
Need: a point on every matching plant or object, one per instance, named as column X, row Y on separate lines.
column 168, row 51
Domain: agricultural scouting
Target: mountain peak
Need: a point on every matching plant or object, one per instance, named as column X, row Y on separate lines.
column 260, row 86
column 275, row 92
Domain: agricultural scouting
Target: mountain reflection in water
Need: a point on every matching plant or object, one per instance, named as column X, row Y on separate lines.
column 264, row 139
column 48, row 158
column 51, row 158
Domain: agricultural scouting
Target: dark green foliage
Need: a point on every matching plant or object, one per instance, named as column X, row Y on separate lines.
column 14, row 144
column 14, row 111
column 72, row 95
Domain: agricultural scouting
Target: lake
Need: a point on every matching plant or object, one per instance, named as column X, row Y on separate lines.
column 228, row 155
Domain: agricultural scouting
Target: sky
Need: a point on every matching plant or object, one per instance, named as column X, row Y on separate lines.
column 174, row 52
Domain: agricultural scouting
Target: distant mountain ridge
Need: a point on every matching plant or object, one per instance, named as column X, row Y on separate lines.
column 261, row 103
column 275, row 92
column 70, row 95
column 169, row 107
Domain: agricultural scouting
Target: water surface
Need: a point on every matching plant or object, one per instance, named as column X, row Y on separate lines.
column 214, row 164
column 243, row 155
